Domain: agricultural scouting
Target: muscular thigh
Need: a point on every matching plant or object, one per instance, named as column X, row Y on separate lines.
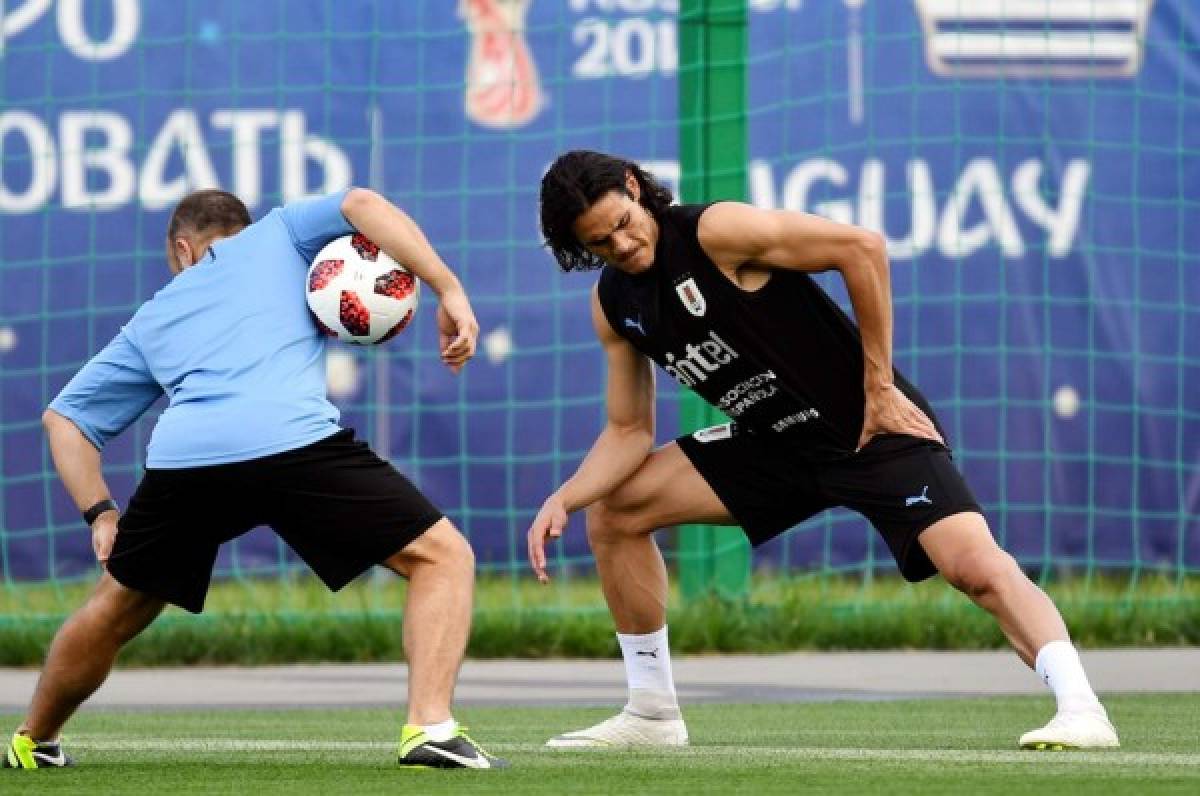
column 956, row 539
column 667, row 490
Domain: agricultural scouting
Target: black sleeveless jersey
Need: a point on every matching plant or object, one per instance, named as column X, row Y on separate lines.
column 782, row 359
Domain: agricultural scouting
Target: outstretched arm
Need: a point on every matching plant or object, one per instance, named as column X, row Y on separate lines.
column 622, row 446
column 392, row 230
column 738, row 236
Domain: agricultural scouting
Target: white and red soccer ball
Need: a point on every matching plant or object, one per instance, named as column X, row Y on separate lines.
column 358, row 293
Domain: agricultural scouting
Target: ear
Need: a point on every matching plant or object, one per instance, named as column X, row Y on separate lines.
column 633, row 186
column 184, row 256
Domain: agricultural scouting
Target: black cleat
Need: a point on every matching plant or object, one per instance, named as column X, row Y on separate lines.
column 24, row 752
column 418, row 751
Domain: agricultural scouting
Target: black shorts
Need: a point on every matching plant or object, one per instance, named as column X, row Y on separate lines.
column 901, row 484
column 337, row 504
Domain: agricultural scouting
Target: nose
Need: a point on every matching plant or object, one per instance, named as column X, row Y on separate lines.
column 623, row 246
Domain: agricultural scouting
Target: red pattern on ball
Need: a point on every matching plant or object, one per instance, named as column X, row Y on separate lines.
column 323, row 273
column 396, row 283
column 354, row 315
column 365, row 248
column 398, row 328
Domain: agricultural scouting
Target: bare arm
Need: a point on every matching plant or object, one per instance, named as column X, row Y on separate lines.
column 628, row 434
column 738, row 236
column 393, row 231
column 622, row 446
column 78, row 464
column 397, row 234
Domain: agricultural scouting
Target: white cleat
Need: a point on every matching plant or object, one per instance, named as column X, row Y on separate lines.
column 625, row 729
column 1077, row 730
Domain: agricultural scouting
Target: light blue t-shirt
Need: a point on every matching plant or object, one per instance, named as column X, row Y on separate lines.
column 231, row 343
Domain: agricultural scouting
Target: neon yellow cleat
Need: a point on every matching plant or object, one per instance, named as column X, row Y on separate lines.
column 24, row 752
column 418, row 751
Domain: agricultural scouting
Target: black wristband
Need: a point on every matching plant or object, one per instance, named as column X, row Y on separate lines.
column 108, row 504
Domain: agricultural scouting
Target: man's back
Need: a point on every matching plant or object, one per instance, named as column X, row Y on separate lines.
column 231, row 342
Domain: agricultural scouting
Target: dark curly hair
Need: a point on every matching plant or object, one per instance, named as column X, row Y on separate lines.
column 573, row 184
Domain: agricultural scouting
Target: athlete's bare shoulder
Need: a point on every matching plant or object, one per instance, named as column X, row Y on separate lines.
column 732, row 232
column 734, row 235
column 604, row 330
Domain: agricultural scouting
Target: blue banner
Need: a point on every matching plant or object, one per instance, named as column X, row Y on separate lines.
column 1033, row 164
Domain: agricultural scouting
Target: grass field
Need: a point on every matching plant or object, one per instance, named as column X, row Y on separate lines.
column 929, row 747
column 289, row 620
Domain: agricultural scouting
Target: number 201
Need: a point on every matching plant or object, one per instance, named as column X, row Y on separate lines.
column 633, row 47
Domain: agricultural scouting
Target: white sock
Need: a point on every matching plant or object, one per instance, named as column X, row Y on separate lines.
column 442, row 731
column 648, row 672
column 1059, row 667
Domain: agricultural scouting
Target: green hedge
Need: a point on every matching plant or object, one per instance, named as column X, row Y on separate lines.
column 274, row 622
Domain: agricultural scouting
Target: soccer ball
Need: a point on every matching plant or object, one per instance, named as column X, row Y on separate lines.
column 358, row 293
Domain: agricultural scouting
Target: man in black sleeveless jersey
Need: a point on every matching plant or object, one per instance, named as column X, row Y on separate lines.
column 721, row 298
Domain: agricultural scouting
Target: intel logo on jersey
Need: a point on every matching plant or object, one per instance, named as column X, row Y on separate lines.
column 699, row 360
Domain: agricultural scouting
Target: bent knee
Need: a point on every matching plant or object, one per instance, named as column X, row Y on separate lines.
column 609, row 520
column 442, row 545
column 978, row 573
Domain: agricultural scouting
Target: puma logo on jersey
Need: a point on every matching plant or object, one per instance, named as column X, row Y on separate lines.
column 630, row 323
column 921, row 498
column 699, row 360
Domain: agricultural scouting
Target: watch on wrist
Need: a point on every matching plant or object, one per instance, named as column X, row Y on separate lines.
column 108, row 504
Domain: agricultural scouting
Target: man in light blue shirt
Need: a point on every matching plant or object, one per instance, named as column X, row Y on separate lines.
column 249, row 438
column 221, row 339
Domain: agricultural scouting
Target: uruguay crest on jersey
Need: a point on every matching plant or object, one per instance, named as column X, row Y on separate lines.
column 690, row 295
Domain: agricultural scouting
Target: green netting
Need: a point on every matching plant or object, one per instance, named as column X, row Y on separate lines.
column 1034, row 166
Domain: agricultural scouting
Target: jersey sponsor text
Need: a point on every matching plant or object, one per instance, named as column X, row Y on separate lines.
column 795, row 418
column 699, row 360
